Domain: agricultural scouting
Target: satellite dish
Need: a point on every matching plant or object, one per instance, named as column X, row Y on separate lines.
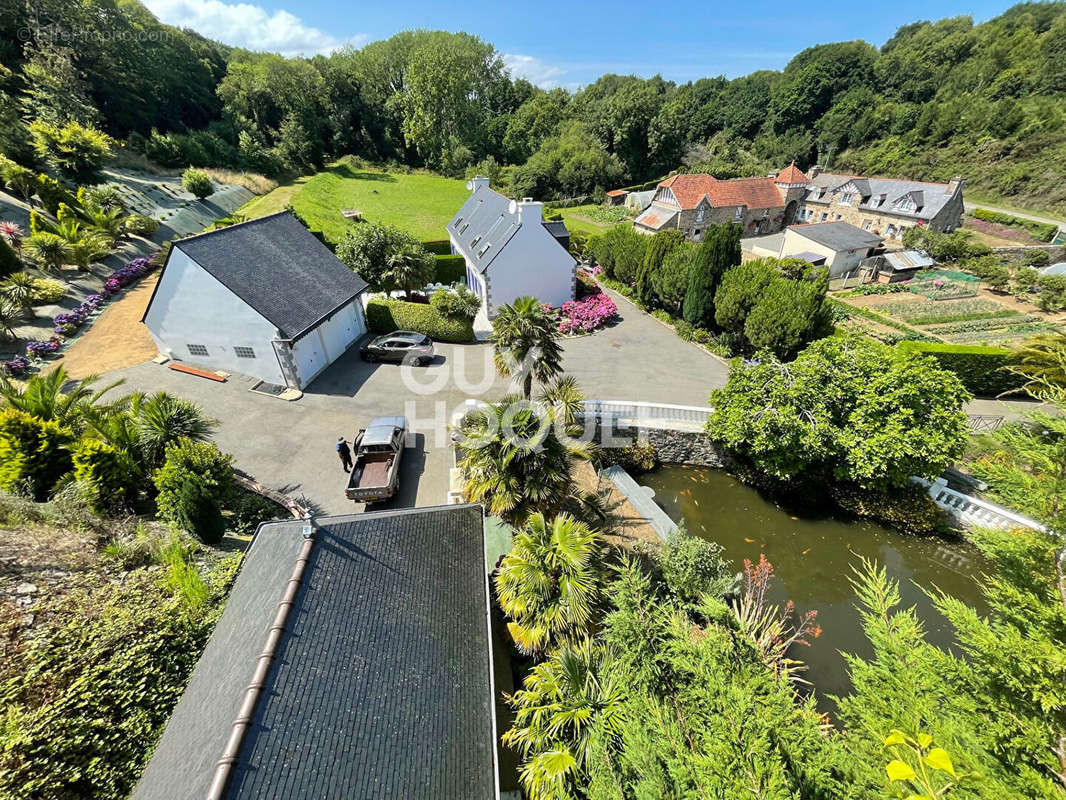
column 512, row 207
column 470, row 186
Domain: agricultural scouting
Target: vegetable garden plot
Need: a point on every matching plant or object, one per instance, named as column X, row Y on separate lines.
column 944, row 284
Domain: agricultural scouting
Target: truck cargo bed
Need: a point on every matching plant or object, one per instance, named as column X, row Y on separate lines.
column 373, row 473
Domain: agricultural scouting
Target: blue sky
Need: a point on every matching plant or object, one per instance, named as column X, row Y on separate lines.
column 570, row 44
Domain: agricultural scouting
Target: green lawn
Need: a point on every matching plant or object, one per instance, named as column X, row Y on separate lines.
column 419, row 202
column 577, row 220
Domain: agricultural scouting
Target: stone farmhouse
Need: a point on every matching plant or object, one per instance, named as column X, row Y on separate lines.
column 691, row 202
column 882, row 206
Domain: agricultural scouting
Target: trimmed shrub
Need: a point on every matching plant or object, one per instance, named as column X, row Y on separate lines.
column 450, row 269
column 692, row 567
column 33, row 454
column 198, row 513
column 196, row 182
column 52, row 194
column 981, row 369
column 47, row 292
column 185, row 459
column 140, row 225
column 248, row 509
column 386, row 316
column 1037, row 258
column 103, row 475
column 439, row 247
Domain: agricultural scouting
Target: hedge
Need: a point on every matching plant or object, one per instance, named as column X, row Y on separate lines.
column 978, row 367
column 1043, row 231
column 386, row 316
column 439, row 247
column 451, row 269
column 9, row 261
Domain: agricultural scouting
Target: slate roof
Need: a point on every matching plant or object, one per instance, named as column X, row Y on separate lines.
column 483, row 226
column 557, row 228
column 690, row 188
column 278, row 267
column 382, row 683
column 838, row 236
column 930, row 197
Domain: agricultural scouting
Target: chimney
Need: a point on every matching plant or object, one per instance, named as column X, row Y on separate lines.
column 530, row 211
column 476, row 183
column 814, row 172
column 955, row 185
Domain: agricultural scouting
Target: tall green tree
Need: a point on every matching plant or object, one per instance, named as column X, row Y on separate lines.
column 656, row 252
column 718, row 252
column 848, row 409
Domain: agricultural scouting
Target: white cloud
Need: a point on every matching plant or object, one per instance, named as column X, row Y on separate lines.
column 537, row 72
column 249, row 26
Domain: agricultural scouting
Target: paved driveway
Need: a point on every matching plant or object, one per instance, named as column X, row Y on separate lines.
column 290, row 446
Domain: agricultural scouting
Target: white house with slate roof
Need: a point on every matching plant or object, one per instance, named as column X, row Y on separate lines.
column 510, row 251
column 264, row 298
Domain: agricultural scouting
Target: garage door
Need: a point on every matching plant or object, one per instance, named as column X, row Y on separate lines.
column 341, row 330
column 310, row 358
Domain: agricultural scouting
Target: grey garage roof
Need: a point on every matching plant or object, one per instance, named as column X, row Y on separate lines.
column 278, row 267
column 839, row 236
column 382, row 682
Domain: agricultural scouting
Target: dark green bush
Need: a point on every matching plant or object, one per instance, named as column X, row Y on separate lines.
column 187, row 459
column 1052, row 295
column 439, row 247
column 450, row 269
column 908, row 508
column 386, row 316
column 981, row 369
column 248, row 509
column 9, row 261
column 103, row 475
column 692, row 567
column 1037, row 258
column 198, row 513
column 462, row 304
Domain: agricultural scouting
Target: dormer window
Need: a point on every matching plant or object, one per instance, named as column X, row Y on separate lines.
column 484, row 249
column 847, row 198
column 463, row 229
column 475, row 240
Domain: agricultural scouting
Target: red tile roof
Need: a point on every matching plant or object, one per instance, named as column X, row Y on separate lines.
column 616, row 192
column 689, row 189
column 791, row 174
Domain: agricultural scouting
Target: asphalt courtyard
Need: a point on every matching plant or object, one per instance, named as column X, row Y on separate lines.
column 290, row 445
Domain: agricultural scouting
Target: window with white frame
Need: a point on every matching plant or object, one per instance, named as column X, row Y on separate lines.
column 197, row 349
column 244, row 352
column 824, row 217
column 847, row 198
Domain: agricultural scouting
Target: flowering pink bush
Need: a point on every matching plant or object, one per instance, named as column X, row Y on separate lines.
column 587, row 314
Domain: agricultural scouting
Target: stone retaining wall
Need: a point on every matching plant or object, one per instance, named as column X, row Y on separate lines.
column 673, row 446
column 1056, row 252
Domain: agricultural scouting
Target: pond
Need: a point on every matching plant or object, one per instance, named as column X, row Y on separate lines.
column 813, row 558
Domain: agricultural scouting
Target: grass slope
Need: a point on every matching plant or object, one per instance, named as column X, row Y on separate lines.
column 419, row 202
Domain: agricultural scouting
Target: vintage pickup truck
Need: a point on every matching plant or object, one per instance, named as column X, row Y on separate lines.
column 378, row 450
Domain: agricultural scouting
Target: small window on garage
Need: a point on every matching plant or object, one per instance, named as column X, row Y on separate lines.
column 244, row 352
column 197, row 349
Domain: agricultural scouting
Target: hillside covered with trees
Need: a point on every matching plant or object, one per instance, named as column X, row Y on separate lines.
column 939, row 98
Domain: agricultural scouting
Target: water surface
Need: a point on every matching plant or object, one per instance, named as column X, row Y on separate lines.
column 813, row 557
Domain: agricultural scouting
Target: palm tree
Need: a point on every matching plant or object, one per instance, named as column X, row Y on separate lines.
column 550, row 583
column 20, row 289
column 410, row 267
column 54, row 396
column 162, row 419
column 525, row 342
column 13, row 235
column 515, row 463
column 50, row 251
column 568, row 704
column 85, row 245
column 106, row 221
column 564, row 395
column 1042, row 361
column 10, row 315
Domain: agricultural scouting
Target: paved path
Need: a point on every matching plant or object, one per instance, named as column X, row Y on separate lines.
column 642, row 359
column 290, row 446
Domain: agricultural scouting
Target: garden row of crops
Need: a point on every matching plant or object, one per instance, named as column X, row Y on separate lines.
column 944, row 284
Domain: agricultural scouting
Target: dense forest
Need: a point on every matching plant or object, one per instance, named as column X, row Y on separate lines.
column 987, row 101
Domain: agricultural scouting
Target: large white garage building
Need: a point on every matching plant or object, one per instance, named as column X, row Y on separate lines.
column 263, row 297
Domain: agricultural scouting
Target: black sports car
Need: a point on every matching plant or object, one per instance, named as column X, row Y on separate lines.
column 399, row 346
